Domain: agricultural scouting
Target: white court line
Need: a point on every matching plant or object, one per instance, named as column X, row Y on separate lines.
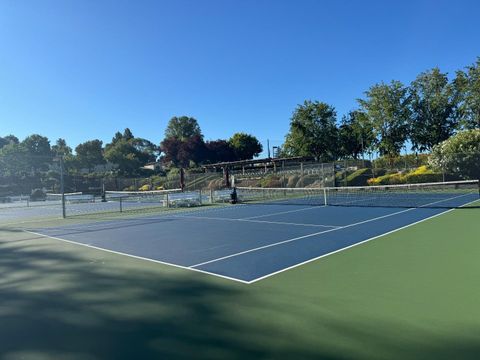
column 102, row 220
column 353, row 245
column 283, row 212
column 227, row 277
column 252, row 221
column 134, row 256
column 315, row 234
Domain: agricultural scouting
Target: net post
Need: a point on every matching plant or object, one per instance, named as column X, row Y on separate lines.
column 200, row 196
column 120, row 202
column 211, row 196
column 325, row 197
column 168, row 200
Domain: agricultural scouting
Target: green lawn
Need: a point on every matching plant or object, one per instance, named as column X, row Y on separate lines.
column 414, row 294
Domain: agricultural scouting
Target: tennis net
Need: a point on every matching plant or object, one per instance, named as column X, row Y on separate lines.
column 71, row 198
column 451, row 194
column 156, row 198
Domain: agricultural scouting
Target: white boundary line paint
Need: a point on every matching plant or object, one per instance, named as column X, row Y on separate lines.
column 135, row 256
column 353, row 245
column 105, row 220
column 231, row 278
column 315, row 234
column 281, row 212
column 253, row 221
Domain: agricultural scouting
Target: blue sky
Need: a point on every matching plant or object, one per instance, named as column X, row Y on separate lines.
column 84, row 69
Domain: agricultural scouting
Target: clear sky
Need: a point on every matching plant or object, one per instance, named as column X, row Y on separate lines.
column 84, row 69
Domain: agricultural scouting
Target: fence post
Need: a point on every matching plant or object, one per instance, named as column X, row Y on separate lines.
column 302, row 174
column 62, row 188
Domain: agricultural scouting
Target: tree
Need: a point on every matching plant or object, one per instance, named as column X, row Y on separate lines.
column 3, row 142
column 434, row 109
column 61, row 148
column 37, row 145
column 90, row 154
column 219, row 151
column 387, row 108
column 9, row 139
column 171, row 148
column 130, row 153
column 182, row 128
column 459, row 155
column 183, row 152
column 313, row 131
column 354, row 134
column 127, row 134
column 245, row 146
column 467, row 84
column 14, row 160
column 38, row 150
column 117, row 137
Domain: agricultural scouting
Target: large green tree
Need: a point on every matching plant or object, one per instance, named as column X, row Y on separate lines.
column 90, row 154
column 388, row 109
column 130, row 153
column 434, row 116
column 182, row 128
column 14, row 160
column 61, row 148
column 354, row 134
column 9, row 139
column 245, row 146
column 313, row 131
column 39, row 152
column 468, row 84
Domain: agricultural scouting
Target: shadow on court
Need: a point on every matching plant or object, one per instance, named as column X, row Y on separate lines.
column 59, row 301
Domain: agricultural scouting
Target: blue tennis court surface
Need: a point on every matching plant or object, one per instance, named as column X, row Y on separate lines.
column 245, row 242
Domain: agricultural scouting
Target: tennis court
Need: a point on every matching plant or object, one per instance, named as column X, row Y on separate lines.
column 251, row 241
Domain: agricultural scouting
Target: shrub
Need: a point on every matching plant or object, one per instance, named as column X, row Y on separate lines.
column 420, row 175
column 145, row 187
column 359, row 177
column 459, row 155
column 271, row 181
column 388, row 179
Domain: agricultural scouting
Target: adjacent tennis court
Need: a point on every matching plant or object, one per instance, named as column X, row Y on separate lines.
column 261, row 237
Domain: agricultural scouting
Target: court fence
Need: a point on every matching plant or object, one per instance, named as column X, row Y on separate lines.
column 275, row 174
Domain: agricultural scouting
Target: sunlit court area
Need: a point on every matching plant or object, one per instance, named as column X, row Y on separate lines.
column 224, row 180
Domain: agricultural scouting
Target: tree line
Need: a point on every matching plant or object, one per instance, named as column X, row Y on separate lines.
column 428, row 111
column 183, row 146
